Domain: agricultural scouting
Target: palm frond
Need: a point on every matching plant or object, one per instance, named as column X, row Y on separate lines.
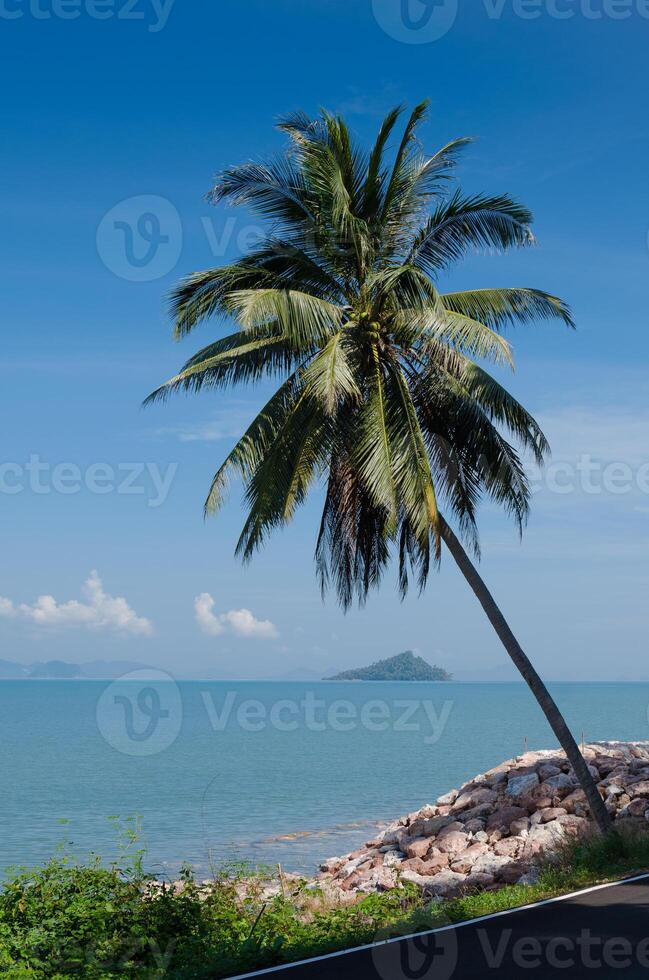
column 236, row 359
column 465, row 224
column 374, row 187
column 495, row 463
column 505, row 409
column 250, row 450
column 372, row 453
column 301, row 317
column 352, row 550
column 275, row 190
column 422, row 179
column 399, row 175
column 426, row 329
column 330, row 376
column 294, row 263
column 417, row 497
column 394, row 287
column 202, row 295
column 281, row 479
column 501, row 308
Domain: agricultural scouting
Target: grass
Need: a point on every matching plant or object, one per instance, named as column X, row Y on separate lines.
column 67, row 919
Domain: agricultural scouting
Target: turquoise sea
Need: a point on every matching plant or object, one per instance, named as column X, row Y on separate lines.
column 264, row 772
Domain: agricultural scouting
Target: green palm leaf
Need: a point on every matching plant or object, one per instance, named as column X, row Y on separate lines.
column 234, row 360
column 303, row 318
column 501, row 308
column 330, row 376
column 382, row 395
column 465, row 224
column 372, row 453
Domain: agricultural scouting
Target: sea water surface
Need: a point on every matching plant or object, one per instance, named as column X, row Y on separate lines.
column 261, row 772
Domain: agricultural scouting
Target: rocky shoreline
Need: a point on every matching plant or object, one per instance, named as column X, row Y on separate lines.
column 493, row 829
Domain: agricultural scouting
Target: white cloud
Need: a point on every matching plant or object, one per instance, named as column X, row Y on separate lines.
column 201, row 432
column 230, row 423
column 100, row 611
column 241, row 622
column 204, row 612
column 7, row 608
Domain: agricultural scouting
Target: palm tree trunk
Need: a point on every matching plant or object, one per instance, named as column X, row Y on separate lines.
column 532, row 679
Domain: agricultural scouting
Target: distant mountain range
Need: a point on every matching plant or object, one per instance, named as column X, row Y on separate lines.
column 404, row 667
column 59, row 670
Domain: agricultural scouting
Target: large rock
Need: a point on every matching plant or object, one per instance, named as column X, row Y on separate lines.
column 475, row 825
column 542, row 839
column 393, row 859
column 510, row 847
column 391, row 837
column 491, row 864
column 519, row 827
column 576, row 802
column 382, row 880
column 464, row 861
column 548, row 770
column 453, row 843
column 419, row 847
column 613, row 790
column 636, row 808
column 552, row 813
column 512, row 874
column 522, row 785
column 448, row 798
column 412, row 864
column 502, row 818
column 422, row 881
column 434, row 825
column 332, row 865
column 476, row 812
column 446, row 884
column 424, row 813
column 475, row 798
column 496, row 779
column 573, row 824
column 435, row 863
column 351, row 866
column 562, row 781
column 451, row 828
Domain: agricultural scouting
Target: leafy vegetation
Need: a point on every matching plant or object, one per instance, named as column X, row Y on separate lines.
column 102, row 922
column 404, row 667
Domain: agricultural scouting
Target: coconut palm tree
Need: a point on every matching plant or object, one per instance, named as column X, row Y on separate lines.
column 380, row 399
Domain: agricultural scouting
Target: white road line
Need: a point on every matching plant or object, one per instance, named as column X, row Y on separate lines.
column 432, row 932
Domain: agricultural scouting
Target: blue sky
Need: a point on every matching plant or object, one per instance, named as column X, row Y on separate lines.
column 104, row 111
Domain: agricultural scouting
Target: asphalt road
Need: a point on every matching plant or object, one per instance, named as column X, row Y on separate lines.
column 600, row 933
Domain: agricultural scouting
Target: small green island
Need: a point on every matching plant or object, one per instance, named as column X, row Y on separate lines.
column 404, row 667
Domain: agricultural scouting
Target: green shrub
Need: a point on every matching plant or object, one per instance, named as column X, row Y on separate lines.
column 72, row 920
column 68, row 919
